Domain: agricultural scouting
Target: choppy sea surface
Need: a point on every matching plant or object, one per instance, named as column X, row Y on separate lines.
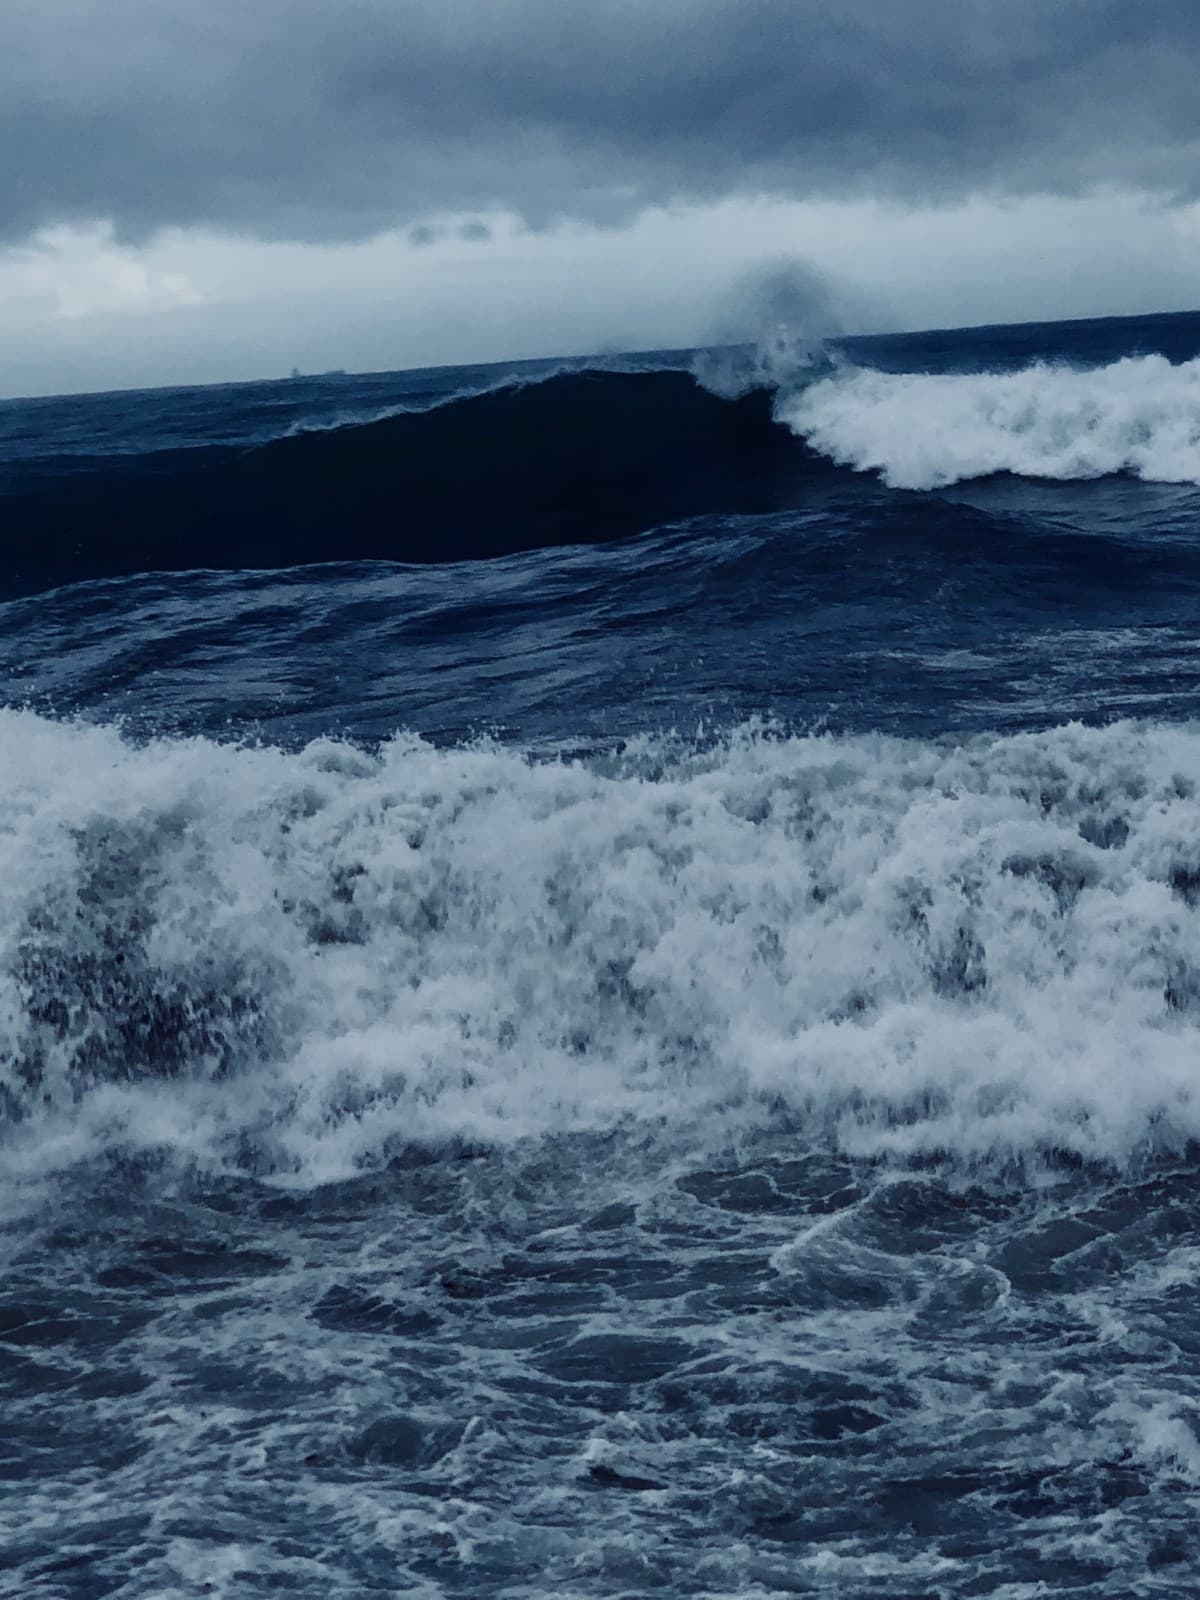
column 600, row 978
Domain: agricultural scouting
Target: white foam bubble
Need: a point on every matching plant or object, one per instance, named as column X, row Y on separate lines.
column 1140, row 415
column 298, row 962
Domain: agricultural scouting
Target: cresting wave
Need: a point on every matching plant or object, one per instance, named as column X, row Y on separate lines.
column 1140, row 415
column 575, row 458
column 586, row 456
column 298, row 964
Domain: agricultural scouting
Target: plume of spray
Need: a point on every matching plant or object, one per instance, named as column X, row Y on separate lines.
column 771, row 331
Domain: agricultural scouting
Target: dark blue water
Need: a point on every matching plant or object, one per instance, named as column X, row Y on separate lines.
column 599, row 977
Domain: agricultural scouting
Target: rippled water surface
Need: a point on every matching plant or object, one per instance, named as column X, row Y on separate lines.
column 599, row 979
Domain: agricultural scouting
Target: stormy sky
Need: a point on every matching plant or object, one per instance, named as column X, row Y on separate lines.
column 213, row 188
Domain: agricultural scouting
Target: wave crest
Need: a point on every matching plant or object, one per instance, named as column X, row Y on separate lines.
column 1140, row 415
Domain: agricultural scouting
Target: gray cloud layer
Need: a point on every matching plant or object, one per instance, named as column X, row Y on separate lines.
column 338, row 118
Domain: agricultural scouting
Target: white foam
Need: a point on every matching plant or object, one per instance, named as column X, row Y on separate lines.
column 297, row 962
column 920, row 431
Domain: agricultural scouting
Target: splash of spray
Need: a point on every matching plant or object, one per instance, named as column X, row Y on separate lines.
column 771, row 330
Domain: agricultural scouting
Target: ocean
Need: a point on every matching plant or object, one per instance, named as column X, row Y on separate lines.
column 600, row 977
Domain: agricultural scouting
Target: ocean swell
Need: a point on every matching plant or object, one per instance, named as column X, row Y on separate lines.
column 585, row 457
column 579, row 457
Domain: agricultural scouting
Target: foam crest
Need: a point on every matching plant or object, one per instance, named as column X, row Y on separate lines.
column 298, row 963
column 921, row 431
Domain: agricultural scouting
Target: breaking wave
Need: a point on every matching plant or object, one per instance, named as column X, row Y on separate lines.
column 298, row 964
column 589, row 456
column 1140, row 415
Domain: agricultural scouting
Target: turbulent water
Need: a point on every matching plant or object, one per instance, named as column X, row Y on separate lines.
column 600, row 978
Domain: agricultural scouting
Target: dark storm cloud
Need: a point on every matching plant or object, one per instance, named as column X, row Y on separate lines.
column 327, row 118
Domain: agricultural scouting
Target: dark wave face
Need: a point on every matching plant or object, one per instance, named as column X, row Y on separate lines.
column 600, row 977
column 573, row 458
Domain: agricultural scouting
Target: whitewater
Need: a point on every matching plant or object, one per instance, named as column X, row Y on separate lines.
column 600, row 977
column 1139, row 415
column 991, row 949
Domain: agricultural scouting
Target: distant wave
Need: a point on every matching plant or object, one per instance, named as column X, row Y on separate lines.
column 1140, row 415
column 298, row 963
column 586, row 456
column 578, row 457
